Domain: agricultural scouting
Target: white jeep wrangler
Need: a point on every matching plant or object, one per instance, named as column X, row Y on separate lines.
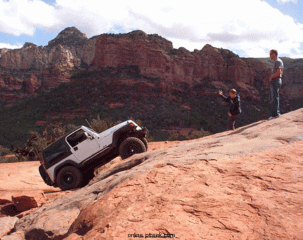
column 69, row 162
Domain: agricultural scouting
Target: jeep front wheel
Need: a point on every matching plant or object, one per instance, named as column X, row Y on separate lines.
column 69, row 178
column 131, row 146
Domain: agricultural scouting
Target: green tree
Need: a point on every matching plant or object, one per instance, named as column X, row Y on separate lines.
column 34, row 146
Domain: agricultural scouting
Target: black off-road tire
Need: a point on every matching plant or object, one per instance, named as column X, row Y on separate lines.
column 131, row 146
column 69, row 177
column 87, row 176
column 144, row 140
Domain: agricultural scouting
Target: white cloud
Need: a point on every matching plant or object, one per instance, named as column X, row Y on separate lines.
column 9, row 46
column 24, row 16
column 250, row 27
column 287, row 1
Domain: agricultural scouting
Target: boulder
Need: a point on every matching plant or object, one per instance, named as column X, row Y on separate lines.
column 28, row 201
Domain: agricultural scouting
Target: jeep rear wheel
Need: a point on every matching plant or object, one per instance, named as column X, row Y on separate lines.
column 131, row 146
column 69, row 178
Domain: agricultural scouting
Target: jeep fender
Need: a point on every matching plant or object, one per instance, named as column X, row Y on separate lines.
column 122, row 134
column 129, row 130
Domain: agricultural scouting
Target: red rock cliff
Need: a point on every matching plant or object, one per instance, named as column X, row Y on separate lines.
column 31, row 68
column 156, row 57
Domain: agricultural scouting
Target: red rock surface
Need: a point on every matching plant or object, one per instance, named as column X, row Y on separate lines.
column 242, row 184
column 6, row 225
column 245, row 184
column 22, row 179
column 22, row 176
column 14, row 236
column 255, row 196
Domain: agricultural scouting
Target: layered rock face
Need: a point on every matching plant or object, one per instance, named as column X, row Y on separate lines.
column 294, row 79
column 31, row 68
column 157, row 58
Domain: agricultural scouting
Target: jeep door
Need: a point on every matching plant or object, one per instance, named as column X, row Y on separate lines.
column 82, row 145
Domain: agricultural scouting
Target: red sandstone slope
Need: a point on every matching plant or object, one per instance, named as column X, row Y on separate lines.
column 242, row 184
column 204, row 199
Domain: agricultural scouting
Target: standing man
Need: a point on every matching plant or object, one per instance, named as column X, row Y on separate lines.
column 235, row 107
column 275, row 84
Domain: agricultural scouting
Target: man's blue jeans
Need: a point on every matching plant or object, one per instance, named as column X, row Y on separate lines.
column 274, row 89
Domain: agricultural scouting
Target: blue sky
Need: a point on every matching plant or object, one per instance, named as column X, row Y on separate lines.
column 250, row 28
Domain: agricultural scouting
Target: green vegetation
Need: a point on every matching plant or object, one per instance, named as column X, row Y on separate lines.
column 3, row 152
column 34, row 146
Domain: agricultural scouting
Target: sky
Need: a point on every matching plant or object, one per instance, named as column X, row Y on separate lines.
column 249, row 28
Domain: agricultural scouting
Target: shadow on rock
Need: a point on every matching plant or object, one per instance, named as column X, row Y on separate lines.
column 39, row 234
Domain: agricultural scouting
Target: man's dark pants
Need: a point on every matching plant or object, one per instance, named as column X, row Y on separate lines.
column 232, row 121
column 274, row 89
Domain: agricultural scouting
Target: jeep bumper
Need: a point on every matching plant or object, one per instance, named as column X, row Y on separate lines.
column 44, row 176
column 144, row 131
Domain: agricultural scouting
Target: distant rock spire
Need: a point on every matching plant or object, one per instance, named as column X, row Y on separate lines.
column 69, row 36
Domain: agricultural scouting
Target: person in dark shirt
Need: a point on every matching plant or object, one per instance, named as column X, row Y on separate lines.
column 235, row 107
